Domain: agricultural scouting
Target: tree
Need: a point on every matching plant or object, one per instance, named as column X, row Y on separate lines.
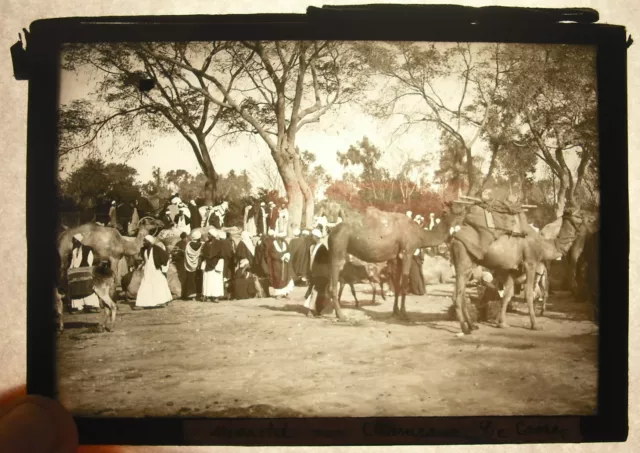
column 138, row 89
column 96, row 182
column 283, row 87
column 554, row 94
column 417, row 71
column 364, row 158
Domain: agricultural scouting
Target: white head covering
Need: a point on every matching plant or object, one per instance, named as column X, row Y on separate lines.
column 225, row 204
column 196, row 235
column 262, row 204
column 113, row 202
column 150, row 239
column 431, row 214
column 282, row 234
column 305, row 232
column 185, row 211
column 193, row 202
column 271, row 232
column 167, row 211
column 296, row 232
column 78, row 237
column 222, row 234
column 175, row 200
column 487, row 277
column 271, row 203
column 212, row 233
column 437, row 220
column 409, row 214
column 316, row 232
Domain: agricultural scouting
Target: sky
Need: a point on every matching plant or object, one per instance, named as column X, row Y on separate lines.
column 337, row 130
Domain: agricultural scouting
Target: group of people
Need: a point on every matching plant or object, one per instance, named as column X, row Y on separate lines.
column 261, row 217
column 420, row 220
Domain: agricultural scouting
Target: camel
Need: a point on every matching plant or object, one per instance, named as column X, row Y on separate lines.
column 355, row 271
column 508, row 256
column 383, row 236
column 104, row 287
column 107, row 244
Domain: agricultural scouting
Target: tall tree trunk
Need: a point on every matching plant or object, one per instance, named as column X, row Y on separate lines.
column 209, row 171
column 309, row 201
column 562, row 195
column 287, row 171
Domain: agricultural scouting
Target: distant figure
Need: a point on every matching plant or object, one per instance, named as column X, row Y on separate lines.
column 135, row 219
column 178, row 258
column 168, row 219
column 228, row 255
column 262, row 219
column 319, row 275
column 261, row 264
column 154, row 290
column 213, row 269
column 300, row 254
column 283, row 220
column 410, row 214
column 173, row 206
column 280, row 267
column 205, row 213
column 250, row 217
column 182, row 221
column 196, row 218
column 322, row 224
column 193, row 278
column 416, row 277
column 432, row 221
column 113, row 217
column 246, row 250
column 273, row 216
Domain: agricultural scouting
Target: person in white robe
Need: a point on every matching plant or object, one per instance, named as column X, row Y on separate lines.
column 283, row 221
column 212, row 268
column 205, row 212
column 82, row 256
column 154, row 289
column 183, row 220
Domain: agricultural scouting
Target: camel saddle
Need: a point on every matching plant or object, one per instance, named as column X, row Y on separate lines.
column 487, row 221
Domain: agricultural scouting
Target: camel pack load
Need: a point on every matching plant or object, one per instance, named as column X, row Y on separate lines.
column 488, row 220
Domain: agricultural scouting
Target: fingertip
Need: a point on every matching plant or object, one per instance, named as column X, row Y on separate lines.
column 35, row 422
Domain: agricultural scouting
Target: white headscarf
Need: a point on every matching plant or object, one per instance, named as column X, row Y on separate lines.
column 296, row 232
column 79, row 237
column 246, row 238
column 271, row 232
column 315, row 232
column 150, row 239
column 196, row 235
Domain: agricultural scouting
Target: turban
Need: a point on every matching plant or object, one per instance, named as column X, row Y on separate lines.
column 315, row 232
column 196, row 234
column 487, row 277
column 193, row 202
column 305, row 232
column 150, row 239
column 212, row 233
column 79, row 237
column 271, row 232
column 282, row 234
column 296, row 232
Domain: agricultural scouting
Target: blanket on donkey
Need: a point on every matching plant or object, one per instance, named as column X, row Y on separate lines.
column 489, row 220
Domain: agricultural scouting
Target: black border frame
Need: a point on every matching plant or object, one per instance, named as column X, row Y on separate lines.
column 388, row 23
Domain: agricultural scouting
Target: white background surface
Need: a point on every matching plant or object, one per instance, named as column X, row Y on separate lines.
column 13, row 111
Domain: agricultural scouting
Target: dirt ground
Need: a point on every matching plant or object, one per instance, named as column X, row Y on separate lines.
column 264, row 358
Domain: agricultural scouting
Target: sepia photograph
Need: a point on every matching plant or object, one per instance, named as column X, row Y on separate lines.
column 271, row 229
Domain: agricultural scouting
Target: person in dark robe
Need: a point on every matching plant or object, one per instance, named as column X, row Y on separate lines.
column 416, row 277
column 226, row 245
column 182, row 221
column 246, row 250
column 168, row 219
column 192, row 260
column 280, row 266
column 178, row 258
column 245, row 285
column 196, row 218
column 212, row 267
column 261, row 219
column 319, row 274
column 273, row 216
column 261, row 264
column 299, row 257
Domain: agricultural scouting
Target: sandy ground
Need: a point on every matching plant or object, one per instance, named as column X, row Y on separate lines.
column 263, row 358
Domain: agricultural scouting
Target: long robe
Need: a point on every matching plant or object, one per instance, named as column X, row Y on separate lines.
column 279, row 268
column 250, row 220
column 320, row 273
column 183, row 223
column 178, row 259
column 243, row 253
column 83, row 257
column 193, row 278
column 416, row 278
column 282, row 222
column 135, row 219
column 154, row 289
column 261, row 265
column 213, row 263
column 196, row 218
column 274, row 214
column 262, row 220
column 300, row 254
column 229, row 257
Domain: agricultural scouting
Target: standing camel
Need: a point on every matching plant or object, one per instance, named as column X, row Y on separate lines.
column 107, row 244
column 383, row 236
column 508, row 256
